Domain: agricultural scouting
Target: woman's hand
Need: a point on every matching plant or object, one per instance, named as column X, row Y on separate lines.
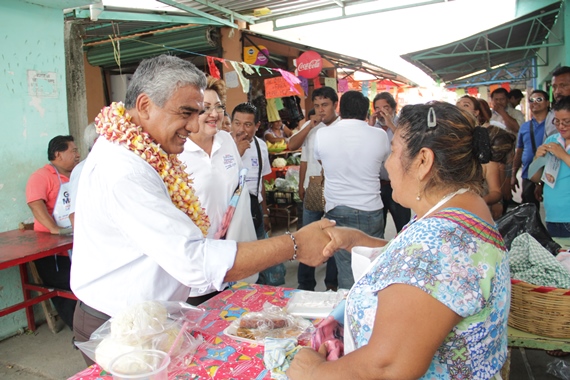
column 346, row 238
column 541, row 151
column 306, row 362
column 556, row 150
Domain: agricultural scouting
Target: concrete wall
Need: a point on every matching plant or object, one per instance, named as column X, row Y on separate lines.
column 34, row 105
column 557, row 56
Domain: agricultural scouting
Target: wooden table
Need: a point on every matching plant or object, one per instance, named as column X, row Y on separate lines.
column 19, row 247
column 221, row 357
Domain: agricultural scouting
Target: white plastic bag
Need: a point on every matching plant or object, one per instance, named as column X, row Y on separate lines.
column 158, row 325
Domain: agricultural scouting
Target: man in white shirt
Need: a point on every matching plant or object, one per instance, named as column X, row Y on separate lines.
column 352, row 155
column 132, row 243
column 505, row 116
column 325, row 100
column 255, row 158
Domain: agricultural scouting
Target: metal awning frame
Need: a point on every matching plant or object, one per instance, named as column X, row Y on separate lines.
column 494, row 54
column 433, row 53
column 515, row 72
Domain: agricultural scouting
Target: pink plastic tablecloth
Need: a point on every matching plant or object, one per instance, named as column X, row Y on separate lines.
column 222, row 357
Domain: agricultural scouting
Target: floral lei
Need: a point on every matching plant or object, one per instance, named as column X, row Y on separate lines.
column 114, row 123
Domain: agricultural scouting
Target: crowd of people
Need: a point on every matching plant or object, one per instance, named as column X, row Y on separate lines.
column 151, row 202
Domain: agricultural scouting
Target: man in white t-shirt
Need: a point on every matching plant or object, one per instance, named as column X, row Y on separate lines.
column 325, row 100
column 504, row 115
column 352, row 155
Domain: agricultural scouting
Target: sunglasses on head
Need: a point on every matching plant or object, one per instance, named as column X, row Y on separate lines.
column 536, row 100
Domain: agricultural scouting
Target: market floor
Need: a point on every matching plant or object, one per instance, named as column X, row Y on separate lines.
column 43, row 355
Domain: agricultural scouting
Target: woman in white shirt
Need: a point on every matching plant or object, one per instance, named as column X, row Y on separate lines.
column 213, row 162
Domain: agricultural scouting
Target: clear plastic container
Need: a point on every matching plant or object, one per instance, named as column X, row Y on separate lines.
column 141, row 365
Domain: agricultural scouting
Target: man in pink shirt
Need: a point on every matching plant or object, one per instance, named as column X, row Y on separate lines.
column 48, row 197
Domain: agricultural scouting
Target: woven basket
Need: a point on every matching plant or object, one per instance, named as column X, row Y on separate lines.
column 540, row 310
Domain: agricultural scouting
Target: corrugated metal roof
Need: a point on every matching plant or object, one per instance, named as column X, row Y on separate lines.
column 511, row 43
column 255, row 11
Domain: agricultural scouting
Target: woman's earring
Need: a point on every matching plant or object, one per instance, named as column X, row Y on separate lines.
column 418, row 197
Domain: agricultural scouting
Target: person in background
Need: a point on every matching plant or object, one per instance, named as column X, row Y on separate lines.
column 435, row 303
column 515, row 98
column 531, row 136
column 255, row 158
column 90, row 135
column 560, row 89
column 277, row 132
column 493, row 171
column 48, row 196
column 503, row 115
column 485, row 113
column 352, row 155
column 213, row 162
column 556, row 149
column 384, row 117
column 325, row 101
column 139, row 230
column 226, row 123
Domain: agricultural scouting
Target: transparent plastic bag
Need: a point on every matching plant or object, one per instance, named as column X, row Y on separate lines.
column 559, row 368
column 158, row 325
column 272, row 322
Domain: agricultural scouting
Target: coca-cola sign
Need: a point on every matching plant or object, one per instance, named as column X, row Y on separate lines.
column 309, row 64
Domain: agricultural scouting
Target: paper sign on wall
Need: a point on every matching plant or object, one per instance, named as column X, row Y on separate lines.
column 330, row 82
column 231, row 79
column 278, row 87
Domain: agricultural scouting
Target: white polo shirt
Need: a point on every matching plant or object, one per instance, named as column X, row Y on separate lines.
column 250, row 161
column 352, row 154
column 215, row 177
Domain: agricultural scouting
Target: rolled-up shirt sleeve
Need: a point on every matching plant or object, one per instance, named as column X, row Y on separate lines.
column 167, row 235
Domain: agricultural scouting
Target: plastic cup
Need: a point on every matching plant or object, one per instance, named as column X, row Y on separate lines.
column 141, row 365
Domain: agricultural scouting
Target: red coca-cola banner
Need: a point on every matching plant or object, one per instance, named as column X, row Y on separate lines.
column 309, row 64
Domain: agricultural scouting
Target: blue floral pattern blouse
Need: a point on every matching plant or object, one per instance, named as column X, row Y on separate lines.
column 460, row 260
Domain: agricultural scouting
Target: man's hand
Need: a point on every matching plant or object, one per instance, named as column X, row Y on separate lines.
column 514, row 182
column 301, row 191
column 499, row 108
column 315, row 120
column 242, row 142
column 311, row 241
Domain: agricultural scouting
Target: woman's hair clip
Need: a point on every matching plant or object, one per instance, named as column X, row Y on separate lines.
column 431, row 119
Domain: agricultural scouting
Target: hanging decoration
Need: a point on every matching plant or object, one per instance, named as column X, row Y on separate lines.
column 278, row 87
column 365, row 88
column 242, row 79
column 342, row 85
column 317, row 83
